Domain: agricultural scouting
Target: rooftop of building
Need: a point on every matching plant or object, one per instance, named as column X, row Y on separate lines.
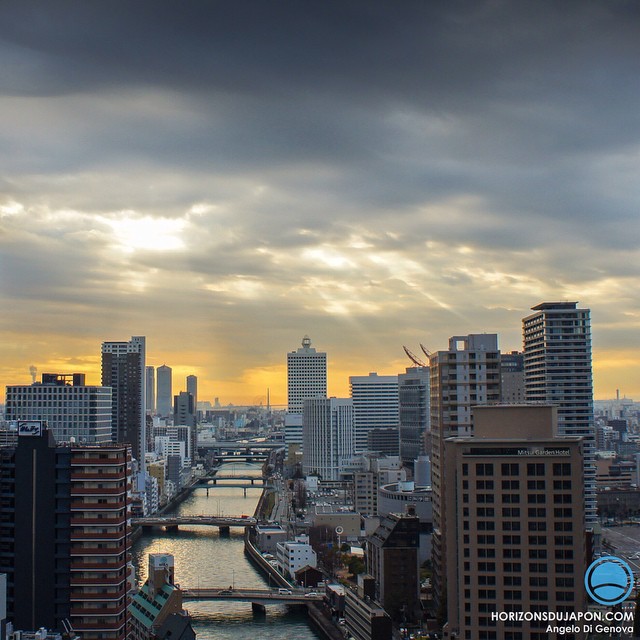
column 146, row 606
column 543, row 306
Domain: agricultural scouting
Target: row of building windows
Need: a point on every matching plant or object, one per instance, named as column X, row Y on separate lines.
column 514, row 469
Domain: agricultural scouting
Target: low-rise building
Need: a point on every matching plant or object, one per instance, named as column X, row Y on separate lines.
column 294, row 555
column 158, row 599
column 268, row 536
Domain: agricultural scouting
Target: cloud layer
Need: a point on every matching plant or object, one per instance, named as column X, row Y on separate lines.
column 225, row 177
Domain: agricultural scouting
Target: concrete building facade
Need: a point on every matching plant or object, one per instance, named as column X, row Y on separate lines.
column 72, row 409
column 465, row 375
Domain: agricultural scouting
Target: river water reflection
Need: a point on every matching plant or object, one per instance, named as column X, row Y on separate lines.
column 203, row 558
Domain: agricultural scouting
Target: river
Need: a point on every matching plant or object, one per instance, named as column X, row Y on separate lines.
column 204, row 559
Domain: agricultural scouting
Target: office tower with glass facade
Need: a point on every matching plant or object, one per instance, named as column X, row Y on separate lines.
column 164, row 396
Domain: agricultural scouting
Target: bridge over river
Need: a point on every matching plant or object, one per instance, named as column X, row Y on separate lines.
column 257, row 596
column 213, row 479
column 173, row 522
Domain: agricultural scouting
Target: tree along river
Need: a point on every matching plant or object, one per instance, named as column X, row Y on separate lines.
column 204, row 559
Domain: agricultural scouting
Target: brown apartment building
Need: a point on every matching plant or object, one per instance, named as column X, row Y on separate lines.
column 64, row 534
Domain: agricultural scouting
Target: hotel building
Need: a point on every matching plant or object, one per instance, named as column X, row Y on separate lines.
column 515, row 516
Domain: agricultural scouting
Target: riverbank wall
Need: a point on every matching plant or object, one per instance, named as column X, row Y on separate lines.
column 318, row 614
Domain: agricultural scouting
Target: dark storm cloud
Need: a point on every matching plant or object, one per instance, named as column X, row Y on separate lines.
column 405, row 101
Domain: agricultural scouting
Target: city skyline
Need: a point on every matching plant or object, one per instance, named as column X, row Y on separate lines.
column 227, row 178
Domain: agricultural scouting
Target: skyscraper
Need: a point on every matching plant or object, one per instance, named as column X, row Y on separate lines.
column 150, row 387
column 306, row 375
column 327, row 436
column 375, row 405
column 71, row 409
column 64, row 534
column 164, row 397
column 184, row 413
column 414, row 413
column 123, row 369
column 557, row 368
column 465, row 375
column 512, row 378
column 192, row 388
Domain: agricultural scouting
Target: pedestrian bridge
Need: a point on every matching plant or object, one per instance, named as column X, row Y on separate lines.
column 256, row 596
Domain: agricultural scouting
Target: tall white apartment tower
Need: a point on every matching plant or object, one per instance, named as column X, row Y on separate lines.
column 557, row 369
column 306, row 376
column 327, row 436
column 375, row 406
column 465, row 375
column 124, row 370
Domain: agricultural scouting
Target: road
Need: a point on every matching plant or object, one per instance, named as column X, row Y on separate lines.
column 625, row 543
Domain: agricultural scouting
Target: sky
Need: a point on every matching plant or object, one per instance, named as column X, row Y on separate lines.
column 225, row 177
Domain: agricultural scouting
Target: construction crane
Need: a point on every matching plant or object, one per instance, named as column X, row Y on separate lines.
column 414, row 358
column 425, row 350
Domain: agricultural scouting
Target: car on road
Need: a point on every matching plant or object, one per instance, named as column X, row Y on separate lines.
column 286, row 592
column 225, row 592
column 311, row 594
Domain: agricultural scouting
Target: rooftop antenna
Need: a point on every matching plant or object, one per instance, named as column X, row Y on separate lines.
column 33, row 370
